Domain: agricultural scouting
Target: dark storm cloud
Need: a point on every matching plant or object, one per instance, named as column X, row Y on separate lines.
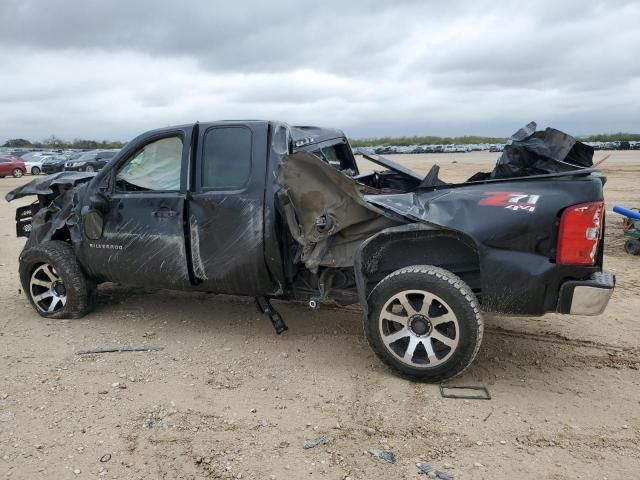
column 238, row 36
column 112, row 68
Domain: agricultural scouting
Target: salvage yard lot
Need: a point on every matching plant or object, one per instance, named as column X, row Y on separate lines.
column 227, row 398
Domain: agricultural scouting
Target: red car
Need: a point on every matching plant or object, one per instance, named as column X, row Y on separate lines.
column 10, row 165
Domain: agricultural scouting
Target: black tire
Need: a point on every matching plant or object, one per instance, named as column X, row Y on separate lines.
column 450, row 298
column 35, row 171
column 80, row 292
column 17, row 173
column 632, row 246
column 90, row 168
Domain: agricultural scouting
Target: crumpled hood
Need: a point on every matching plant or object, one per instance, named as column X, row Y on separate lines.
column 50, row 184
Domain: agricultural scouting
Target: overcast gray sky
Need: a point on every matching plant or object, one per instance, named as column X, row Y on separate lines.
column 112, row 69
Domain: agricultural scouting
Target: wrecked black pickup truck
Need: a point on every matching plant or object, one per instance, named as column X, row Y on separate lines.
column 273, row 211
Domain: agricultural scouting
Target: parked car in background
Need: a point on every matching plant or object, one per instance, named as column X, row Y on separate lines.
column 34, row 166
column 55, row 164
column 10, row 165
column 90, row 161
column 35, row 156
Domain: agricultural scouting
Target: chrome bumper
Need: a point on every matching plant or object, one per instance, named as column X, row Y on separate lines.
column 587, row 297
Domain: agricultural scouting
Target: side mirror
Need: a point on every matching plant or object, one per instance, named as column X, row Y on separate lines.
column 93, row 224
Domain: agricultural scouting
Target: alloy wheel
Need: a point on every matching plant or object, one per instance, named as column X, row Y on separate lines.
column 419, row 328
column 47, row 289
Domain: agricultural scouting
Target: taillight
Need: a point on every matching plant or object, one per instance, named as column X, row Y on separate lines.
column 580, row 232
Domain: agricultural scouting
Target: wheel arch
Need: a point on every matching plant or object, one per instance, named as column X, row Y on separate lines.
column 415, row 244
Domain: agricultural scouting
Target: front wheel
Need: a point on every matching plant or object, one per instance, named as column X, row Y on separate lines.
column 424, row 322
column 90, row 168
column 54, row 282
column 17, row 173
column 35, row 171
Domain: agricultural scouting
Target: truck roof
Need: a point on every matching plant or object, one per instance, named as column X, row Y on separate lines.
column 299, row 133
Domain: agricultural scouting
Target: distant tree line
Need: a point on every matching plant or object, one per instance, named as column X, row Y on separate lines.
column 56, row 143
column 612, row 137
column 424, row 140
column 473, row 139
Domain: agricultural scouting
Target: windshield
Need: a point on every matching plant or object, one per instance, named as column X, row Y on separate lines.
column 87, row 156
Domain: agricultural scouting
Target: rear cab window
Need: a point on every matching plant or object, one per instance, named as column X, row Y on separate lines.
column 226, row 158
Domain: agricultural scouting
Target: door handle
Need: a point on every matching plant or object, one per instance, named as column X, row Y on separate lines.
column 164, row 212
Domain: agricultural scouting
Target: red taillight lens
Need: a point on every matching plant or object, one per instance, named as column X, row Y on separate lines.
column 580, row 232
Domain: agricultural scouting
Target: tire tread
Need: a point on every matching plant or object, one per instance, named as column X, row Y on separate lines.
column 465, row 292
column 81, row 291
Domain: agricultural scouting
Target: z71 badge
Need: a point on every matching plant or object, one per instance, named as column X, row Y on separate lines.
column 511, row 200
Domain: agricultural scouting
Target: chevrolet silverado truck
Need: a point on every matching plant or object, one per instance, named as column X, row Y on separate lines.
column 272, row 211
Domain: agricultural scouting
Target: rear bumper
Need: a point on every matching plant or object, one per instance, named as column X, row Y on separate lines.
column 586, row 297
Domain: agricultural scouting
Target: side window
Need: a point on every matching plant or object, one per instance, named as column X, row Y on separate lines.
column 227, row 158
column 156, row 166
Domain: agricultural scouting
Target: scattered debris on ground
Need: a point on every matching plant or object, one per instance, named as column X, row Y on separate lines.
column 432, row 472
column 321, row 440
column 385, row 455
column 142, row 348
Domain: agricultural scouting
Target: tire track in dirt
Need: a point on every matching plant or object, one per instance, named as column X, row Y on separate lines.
column 551, row 337
column 563, row 352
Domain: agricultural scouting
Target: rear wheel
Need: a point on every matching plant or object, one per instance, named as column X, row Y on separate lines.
column 424, row 322
column 90, row 168
column 54, row 282
column 17, row 173
column 632, row 246
column 35, row 171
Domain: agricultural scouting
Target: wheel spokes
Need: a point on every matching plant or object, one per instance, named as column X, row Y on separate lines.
column 394, row 337
column 431, row 354
column 41, row 283
column 44, row 289
column 401, row 319
column 449, row 342
column 42, row 296
column 423, row 341
column 427, row 301
column 446, row 318
column 411, row 349
column 48, row 271
column 53, row 304
column 406, row 304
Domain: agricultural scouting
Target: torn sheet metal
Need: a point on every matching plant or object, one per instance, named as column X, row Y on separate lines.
column 50, row 184
column 61, row 214
column 530, row 152
column 393, row 166
column 326, row 211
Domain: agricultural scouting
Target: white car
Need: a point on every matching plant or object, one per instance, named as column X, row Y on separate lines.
column 34, row 167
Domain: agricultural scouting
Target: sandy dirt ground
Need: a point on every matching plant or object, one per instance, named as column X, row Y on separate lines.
column 227, row 398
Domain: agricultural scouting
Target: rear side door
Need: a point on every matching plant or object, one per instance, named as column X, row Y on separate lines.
column 143, row 241
column 226, row 209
